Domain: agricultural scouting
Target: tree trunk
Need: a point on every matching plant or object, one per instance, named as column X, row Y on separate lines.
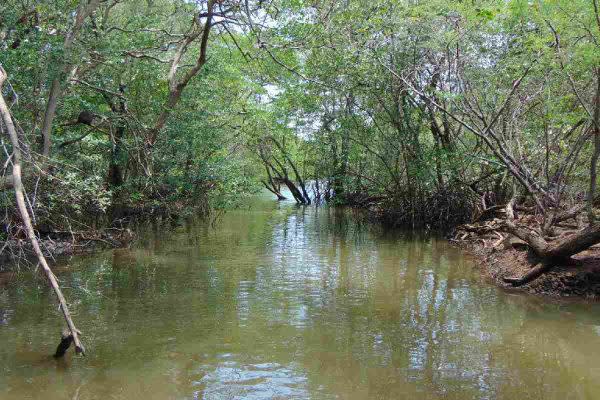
column 596, row 154
column 176, row 87
column 301, row 197
column 53, row 97
column 558, row 251
column 84, row 10
column 115, row 175
column 274, row 188
column 550, row 253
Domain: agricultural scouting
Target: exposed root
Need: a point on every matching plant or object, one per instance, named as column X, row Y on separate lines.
column 530, row 276
column 525, row 249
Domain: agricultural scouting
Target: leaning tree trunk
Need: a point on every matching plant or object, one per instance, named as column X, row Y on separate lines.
column 271, row 184
column 298, row 196
column 301, row 197
column 22, row 207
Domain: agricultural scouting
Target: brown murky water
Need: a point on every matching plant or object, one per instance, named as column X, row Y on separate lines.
column 281, row 302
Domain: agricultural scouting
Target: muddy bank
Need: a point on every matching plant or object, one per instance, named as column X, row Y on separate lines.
column 579, row 279
column 57, row 244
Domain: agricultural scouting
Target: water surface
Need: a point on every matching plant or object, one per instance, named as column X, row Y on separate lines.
column 283, row 302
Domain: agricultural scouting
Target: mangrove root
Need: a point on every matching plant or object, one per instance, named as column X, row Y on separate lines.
column 533, row 274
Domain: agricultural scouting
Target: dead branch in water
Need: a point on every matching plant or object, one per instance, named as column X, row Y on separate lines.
column 23, row 211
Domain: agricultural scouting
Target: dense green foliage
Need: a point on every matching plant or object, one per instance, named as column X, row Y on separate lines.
column 422, row 110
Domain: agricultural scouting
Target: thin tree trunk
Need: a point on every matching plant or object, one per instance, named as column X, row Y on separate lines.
column 302, row 196
column 49, row 115
column 596, row 154
column 21, row 205
column 83, row 11
column 176, row 87
column 115, row 171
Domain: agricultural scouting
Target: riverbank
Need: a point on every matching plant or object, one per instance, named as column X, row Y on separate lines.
column 511, row 258
column 55, row 241
column 497, row 257
column 58, row 243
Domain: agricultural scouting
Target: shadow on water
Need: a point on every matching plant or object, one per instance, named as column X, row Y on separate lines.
column 280, row 301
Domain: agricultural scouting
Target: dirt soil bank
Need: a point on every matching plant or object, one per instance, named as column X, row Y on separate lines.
column 582, row 279
column 62, row 244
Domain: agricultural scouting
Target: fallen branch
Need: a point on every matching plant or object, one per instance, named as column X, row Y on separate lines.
column 21, row 205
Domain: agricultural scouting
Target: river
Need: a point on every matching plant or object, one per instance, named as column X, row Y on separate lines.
column 276, row 301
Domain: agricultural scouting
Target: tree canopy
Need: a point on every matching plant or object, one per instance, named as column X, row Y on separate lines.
column 424, row 110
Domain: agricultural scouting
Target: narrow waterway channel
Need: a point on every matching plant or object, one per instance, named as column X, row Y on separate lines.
column 283, row 302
